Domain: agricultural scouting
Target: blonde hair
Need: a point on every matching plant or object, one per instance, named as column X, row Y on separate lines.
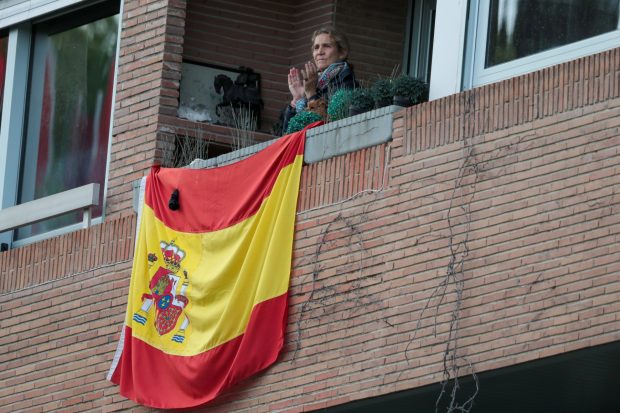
column 339, row 38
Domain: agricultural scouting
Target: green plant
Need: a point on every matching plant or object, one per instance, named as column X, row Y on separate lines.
column 382, row 91
column 413, row 89
column 338, row 107
column 362, row 100
column 301, row 120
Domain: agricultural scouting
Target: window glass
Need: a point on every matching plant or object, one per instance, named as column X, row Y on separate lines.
column 4, row 45
column 421, row 31
column 519, row 28
column 69, row 111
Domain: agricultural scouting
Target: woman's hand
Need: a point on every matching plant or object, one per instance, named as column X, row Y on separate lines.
column 295, row 84
column 310, row 79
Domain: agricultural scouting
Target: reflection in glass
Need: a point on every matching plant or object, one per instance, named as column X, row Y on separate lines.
column 519, row 28
column 4, row 45
column 70, row 103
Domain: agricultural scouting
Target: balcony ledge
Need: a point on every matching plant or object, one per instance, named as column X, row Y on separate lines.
column 326, row 141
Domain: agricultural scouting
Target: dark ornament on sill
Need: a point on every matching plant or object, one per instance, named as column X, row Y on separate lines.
column 361, row 101
column 355, row 110
column 173, row 203
column 409, row 91
column 383, row 103
column 402, row 101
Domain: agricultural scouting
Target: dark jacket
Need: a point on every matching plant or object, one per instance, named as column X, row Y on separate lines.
column 345, row 79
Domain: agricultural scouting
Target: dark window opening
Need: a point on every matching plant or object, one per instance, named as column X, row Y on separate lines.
column 581, row 381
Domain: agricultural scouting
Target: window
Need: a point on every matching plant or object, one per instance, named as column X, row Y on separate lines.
column 419, row 41
column 64, row 123
column 511, row 37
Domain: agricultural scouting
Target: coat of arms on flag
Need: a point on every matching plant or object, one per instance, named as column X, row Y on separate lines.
column 208, row 294
column 164, row 294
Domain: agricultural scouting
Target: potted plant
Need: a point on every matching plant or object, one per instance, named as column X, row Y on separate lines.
column 382, row 92
column 301, row 120
column 361, row 101
column 409, row 91
column 339, row 102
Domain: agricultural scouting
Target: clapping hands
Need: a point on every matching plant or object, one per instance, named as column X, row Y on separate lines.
column 310, row 77
column 303, row 82
column 295, row 83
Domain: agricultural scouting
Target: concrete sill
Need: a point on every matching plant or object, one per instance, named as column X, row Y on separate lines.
column 349, row 134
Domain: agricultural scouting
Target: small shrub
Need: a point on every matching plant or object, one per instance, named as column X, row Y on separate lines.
column 362, row 100
column 382, row 92
column 339, row 102
column 413, row 89
column 301, row 120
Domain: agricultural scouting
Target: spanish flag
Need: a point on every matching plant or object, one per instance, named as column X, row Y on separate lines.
column 207, row 301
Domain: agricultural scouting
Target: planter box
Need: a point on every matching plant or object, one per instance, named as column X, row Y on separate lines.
column 349, row 134
column 332, row 139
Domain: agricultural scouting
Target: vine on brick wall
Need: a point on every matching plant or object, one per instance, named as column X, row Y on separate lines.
column 453, row 284
column 329, row 298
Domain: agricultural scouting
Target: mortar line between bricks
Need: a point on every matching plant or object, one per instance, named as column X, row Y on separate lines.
column 68, row 276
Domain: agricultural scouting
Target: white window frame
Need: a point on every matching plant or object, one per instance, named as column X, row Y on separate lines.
column 448, row 46
column 19, row 19
column 419, row 38
column 475, row 72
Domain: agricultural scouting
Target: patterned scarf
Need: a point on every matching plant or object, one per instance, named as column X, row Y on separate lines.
column 329, row 73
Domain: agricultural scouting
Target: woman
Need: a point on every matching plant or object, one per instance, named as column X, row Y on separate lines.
column 328, row 71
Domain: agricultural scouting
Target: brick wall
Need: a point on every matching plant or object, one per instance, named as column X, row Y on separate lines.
column 147, row 88
column 314, row 14
column 61, row 302
column 376, row 32
column 514, row 183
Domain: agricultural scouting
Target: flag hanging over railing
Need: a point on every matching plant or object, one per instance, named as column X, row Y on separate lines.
column 207, row 300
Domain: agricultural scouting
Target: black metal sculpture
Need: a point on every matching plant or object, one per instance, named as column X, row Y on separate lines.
column 244, row 92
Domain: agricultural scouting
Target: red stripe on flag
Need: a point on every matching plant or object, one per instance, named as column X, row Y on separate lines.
column 153, row 378
column 212, row 199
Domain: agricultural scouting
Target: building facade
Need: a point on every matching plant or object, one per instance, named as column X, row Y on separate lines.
column 479, row 242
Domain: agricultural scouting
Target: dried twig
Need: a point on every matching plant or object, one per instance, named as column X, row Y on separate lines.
column 186, row 149
column 244, row 123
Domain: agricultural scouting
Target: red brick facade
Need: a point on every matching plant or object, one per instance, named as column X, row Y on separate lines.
column 511, row 189
column 147, row 87
column 376, row 33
